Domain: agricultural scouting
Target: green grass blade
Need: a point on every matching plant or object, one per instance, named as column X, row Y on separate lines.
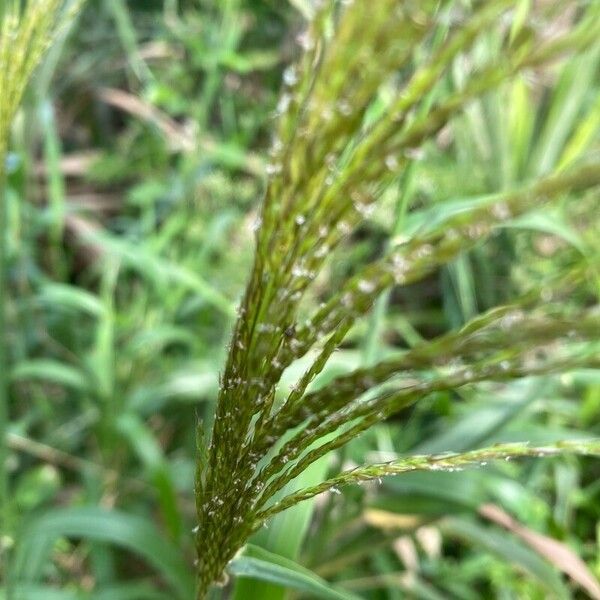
column 509, row 549
column 51, row 371
column 259, row 564
column 567, row 103
column 127, row 531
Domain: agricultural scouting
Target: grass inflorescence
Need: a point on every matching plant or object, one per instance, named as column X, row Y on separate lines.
column 335, row 151
column 423, row 298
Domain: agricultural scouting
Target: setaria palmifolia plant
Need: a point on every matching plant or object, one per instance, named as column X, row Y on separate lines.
column 337, row 148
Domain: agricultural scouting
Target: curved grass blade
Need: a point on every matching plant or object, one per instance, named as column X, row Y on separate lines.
column 260, row 564
column 127, row 531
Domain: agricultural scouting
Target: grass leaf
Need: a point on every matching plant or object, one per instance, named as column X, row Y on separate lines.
column 259, row 564
column 127, row 531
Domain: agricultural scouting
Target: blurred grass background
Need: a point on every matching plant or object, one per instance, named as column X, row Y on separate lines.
column 136, row 171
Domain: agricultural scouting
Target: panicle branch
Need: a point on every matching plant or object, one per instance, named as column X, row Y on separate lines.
column 448, row 461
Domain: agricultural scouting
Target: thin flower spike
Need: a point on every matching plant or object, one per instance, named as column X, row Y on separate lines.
column 25, row 34
column 436, row 462
column 360, row 416
column 504, row 330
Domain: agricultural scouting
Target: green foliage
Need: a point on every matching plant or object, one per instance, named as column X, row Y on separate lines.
column 26, row 31
column 122, row 530
column 423, row 299
column 260, row 564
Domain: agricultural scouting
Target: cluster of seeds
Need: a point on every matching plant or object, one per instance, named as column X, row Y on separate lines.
column 329, row 163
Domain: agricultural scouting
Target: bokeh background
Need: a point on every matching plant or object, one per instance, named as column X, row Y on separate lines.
column 135, row 177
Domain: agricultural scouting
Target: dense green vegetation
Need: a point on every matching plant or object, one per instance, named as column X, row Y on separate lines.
column 421, row 179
